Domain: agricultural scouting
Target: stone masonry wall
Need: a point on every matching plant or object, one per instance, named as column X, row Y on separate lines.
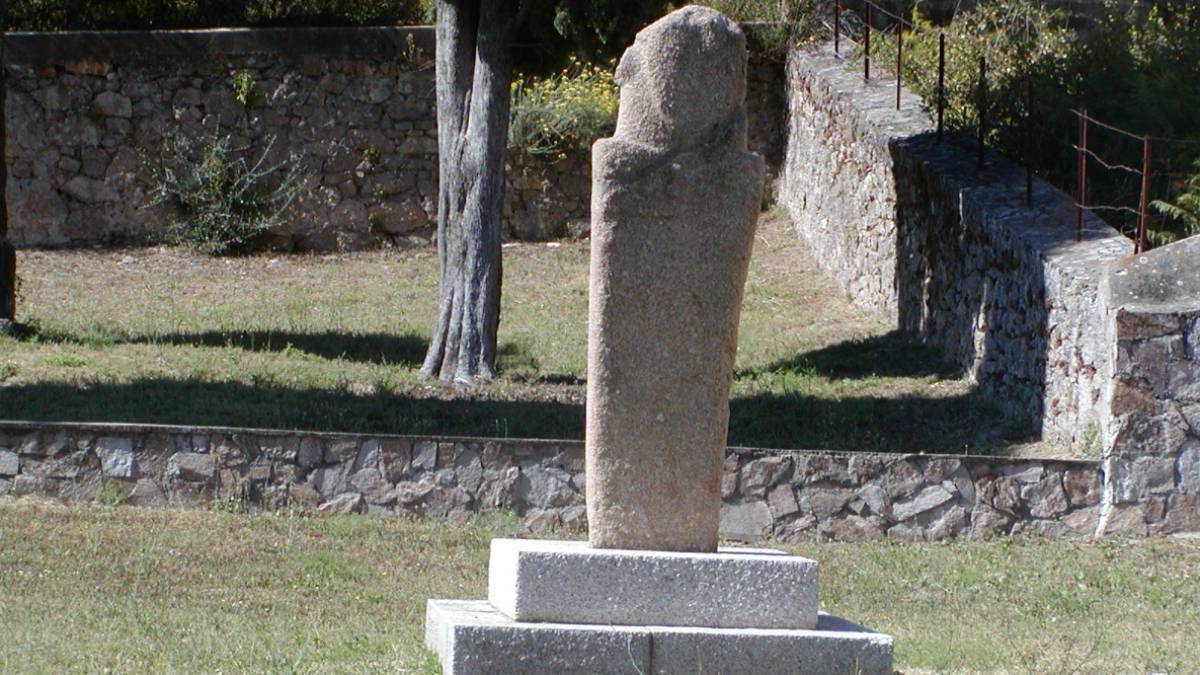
column 89, row 115
column 790, row 496
column 913, row 229
column 1153, row 446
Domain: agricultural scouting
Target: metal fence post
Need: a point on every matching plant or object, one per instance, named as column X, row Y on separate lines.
column 1082, row 204
column 1144, row 206
column 1028, row 141
column 837, row 28
column 899, row 58
column 941, row 96
column 867, row 46
column 983, row 99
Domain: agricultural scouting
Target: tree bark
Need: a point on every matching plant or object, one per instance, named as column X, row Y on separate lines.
column 8, row 255
column 474, row 73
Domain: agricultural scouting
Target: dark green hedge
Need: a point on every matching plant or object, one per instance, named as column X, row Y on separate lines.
column 54, row 15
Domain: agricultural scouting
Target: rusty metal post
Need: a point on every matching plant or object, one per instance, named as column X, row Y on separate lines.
column 867, row 46
column 899, row 58
column 941, row 96
column 1029, row 141
column 8, row 254
column 1144, row 206
column 1082, row 194
column 837, row 28
column 983, row 99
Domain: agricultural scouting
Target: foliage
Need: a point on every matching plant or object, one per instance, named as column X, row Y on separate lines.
column 1185, row 212
column 225, row 197
column 562, row 112
column 1133, row 67
column 784, row 22
column 51, row 15
column 244, row 88
column 112, row 493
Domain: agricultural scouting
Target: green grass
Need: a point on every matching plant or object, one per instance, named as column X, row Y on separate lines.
column 144, row 590
column 162, row 335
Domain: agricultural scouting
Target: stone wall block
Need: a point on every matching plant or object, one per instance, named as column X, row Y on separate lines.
column 10, row 463
column 1083, row 487
column 1046, row 498
column 927, row 499
column 192, row 467
column 1188, row 467
column 341, row 450
column 311, row 452
column 116, row 457
column 395, row 459
column 757, row 476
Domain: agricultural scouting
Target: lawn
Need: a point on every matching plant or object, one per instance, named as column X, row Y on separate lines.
column 104, row 589
column 334, row 342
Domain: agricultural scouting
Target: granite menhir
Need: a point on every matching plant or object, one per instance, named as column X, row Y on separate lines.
column 675, row 198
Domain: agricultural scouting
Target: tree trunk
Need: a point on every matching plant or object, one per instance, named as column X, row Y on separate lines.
column 8, row 255
column 474, row 72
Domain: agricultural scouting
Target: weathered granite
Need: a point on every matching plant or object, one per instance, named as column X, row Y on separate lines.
column 473, row 637
column 570, row 582
column 667, row 274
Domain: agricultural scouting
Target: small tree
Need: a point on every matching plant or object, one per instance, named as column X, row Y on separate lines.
column 475, row 57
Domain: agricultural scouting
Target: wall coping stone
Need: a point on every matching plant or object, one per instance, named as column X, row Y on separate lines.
column 118, row 428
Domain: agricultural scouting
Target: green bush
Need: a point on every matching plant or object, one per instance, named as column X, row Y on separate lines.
column 563, row 112
column 53, row 15
column 226, row 197
column 1133, row 67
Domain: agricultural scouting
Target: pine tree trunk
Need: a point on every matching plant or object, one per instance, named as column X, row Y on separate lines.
column 474, row 72
column 8, row 255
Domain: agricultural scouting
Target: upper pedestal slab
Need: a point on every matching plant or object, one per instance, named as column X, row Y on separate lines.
column 570, row 582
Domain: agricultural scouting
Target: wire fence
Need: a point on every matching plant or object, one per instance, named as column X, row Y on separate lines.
column 1136, row 167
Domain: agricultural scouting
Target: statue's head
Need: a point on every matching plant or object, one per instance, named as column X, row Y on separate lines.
column 684, row 75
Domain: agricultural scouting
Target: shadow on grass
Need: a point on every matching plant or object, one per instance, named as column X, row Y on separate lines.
column 893, row 354
column 949, row 424
column 403, row 350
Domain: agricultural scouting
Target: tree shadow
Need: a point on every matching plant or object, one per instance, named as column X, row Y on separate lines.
column 378, row 348
column 893, row 354
column 915, row 424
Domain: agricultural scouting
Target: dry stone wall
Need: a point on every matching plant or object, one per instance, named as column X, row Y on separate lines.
column 914, row 229
column 89, row 113
column 789, row 496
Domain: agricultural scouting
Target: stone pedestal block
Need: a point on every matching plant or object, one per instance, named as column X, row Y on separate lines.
column 570, row 582
column 473, row 637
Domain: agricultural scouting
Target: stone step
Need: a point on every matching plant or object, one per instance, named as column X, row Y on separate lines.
column 473, row 637
column 570, row 582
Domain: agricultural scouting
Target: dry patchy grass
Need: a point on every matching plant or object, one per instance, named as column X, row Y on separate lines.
column 132, row 590
column 333, row 343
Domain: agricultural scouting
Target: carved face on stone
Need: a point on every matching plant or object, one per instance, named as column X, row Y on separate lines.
column 684, row 75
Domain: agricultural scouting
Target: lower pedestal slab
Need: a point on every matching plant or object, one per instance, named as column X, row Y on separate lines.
column 474, row 637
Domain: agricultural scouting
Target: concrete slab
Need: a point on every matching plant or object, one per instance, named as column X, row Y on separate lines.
column 570, row 582
column 474, row 637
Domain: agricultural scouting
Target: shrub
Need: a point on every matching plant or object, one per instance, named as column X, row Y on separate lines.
column 225, row 196
column 563, row 112
column 1183, row 214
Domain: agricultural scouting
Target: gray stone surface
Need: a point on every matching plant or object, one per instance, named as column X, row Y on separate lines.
column 116, row 457
column 570, row 582
column 473, row 637
column 10, row 463
column 667, row 275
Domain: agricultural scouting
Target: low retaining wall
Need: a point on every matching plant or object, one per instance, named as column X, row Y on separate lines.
column 915, row 230
column 788, row 495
